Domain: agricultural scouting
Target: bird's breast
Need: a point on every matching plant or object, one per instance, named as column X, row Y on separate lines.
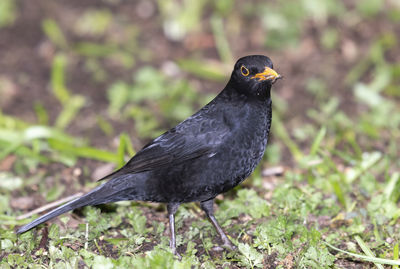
column 244, row 147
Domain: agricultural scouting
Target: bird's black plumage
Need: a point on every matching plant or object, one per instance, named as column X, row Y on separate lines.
column 205, row 155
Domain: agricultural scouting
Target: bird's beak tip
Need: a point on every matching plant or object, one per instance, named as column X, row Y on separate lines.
column 268, row 74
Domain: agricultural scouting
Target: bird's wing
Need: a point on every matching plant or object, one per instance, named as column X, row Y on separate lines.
column 191, row 139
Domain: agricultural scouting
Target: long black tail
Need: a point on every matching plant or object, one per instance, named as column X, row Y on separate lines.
column 105, row 193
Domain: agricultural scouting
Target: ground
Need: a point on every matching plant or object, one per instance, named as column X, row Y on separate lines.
column 84, row 84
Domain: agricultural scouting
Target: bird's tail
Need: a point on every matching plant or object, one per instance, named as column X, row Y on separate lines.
column 105, row 193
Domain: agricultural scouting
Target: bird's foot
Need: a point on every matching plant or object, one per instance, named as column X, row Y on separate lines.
column 229, row 245
column 176, row 254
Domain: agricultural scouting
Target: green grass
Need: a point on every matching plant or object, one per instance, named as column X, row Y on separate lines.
column 336, row 204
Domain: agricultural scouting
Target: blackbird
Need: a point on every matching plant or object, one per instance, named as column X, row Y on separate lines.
column 207, row 154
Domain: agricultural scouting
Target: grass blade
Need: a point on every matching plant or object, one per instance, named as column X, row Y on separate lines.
column 396, row 255
column 202, row 69
column 337, row 188
column 317, row 141
column 368, row 160
column 125, row 145
column 365, row 258
column 85, row 152
column 367, row 250
column 54, row 33
column 391, row 186
column 282, row 133
column 221, row 41
column 70, row 110
column 57, row 78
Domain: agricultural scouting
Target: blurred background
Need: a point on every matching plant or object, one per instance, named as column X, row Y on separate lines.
column 84, row 83
column 96, row 69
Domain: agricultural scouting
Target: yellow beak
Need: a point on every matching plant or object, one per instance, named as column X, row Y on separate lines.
column 268, row 74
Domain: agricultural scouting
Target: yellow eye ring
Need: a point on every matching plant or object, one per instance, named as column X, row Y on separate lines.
column 244, row 70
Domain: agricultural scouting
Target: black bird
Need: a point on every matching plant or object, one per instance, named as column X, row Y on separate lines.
column 207, row 154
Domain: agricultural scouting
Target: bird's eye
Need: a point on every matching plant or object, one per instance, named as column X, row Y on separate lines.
column 244, row 70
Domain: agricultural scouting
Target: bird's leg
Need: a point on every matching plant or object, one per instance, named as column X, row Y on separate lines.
column 207, row 206
column 172, row 208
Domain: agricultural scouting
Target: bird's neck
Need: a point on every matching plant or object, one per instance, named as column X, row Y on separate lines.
column 264, row 94
column 231, row 91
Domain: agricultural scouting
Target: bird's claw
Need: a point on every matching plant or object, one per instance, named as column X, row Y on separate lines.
column 229, row 245
column 176, row 254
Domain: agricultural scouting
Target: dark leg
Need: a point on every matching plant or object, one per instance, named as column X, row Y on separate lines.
column 207, row 206
column 172, row 208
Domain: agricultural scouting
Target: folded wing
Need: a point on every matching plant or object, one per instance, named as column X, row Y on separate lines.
column 191, row 139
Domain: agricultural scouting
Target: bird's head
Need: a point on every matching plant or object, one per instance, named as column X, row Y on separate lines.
column 254, row 75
